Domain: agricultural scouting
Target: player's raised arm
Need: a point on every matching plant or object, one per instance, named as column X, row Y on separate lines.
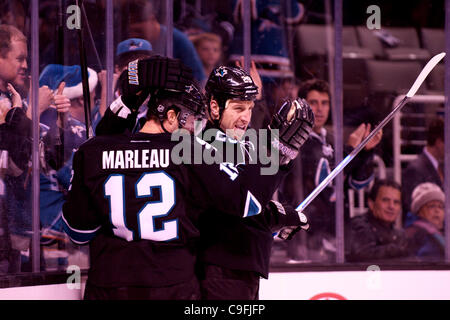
column 136, row 83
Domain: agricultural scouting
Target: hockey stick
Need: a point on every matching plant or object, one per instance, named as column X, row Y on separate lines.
column 84, row 78
column 420, row 79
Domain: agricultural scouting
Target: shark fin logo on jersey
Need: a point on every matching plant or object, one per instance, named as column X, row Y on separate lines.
column 221, row 71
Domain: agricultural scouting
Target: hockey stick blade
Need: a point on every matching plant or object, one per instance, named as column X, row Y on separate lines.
column 420, row 79
column 424, row 73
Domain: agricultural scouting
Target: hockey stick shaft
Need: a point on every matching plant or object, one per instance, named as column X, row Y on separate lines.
column 420, row 79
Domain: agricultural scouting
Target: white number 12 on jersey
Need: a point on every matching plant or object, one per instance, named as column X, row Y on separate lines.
column 114, row 191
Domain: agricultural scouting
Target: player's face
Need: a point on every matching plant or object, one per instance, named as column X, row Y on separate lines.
column 320, row 105
column 433, row 211
column 236, row 117
column 13, row 67
column 387, row 205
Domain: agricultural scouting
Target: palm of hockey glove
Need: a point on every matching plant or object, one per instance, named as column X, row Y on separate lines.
column 144, row 76
column 287, row 233
column 294, row 121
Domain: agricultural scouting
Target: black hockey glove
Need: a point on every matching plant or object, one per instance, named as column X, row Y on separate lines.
column 294, row 121
column 144, row 76
column 287, row 233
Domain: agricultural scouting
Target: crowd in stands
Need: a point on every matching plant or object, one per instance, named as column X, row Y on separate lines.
column 403, row 222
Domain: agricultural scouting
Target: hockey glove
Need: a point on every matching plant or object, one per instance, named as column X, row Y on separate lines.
column 294, row 121
column 144, row 76
column 287, row 233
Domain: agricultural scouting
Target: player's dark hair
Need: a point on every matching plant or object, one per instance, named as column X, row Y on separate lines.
column 435, row 131
column 382, row 183
column 313, row 84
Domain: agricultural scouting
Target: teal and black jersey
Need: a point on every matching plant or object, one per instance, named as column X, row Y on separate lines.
column 241, row 244
column 138, row 206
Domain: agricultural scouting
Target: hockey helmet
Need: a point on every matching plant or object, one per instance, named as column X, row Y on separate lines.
column 187, row 102
column 226, row 83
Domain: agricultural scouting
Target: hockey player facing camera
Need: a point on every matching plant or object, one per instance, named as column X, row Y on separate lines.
column 138, row 209
column 121, row 115
column 235, row 253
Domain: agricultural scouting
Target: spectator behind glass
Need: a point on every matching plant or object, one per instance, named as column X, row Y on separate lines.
column 143, row 23
column 315, row 164
column 127, row 51
column 268, row 47
column 16, row 142
column 13, row 57
column 373, row 236
column 61, row 138
column 428, row 167
column 209, row 49
column 12, row 12
column 425, row 235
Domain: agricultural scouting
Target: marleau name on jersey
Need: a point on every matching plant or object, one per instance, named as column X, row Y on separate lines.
column 135, row 159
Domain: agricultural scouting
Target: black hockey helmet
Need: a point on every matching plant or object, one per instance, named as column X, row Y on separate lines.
column 230, row 83
column 187, row 102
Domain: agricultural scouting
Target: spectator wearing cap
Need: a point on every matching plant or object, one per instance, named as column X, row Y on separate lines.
column 373, row 236
column 131, row 49
column 426, row 239
column 127, row 51
column 60, row 139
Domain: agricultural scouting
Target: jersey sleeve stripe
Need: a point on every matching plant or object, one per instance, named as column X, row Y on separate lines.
column 357, row 185
column 252, row 206
column 79, row 236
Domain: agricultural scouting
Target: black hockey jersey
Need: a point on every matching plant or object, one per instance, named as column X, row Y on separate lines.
column 139, row 208
column 241, row 244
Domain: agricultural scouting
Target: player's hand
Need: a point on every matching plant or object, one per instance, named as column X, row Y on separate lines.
column 144, row 76
column 294, row 121
column 287, row 233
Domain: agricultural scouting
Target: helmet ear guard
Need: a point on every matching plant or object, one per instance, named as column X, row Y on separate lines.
column 189, row 102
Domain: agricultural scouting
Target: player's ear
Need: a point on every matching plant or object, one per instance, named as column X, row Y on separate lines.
column 171, row 116
column 214, row 109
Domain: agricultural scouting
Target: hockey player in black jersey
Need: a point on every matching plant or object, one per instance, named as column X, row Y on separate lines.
column 235, row 253
column 118, row 117
column 138, row 209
